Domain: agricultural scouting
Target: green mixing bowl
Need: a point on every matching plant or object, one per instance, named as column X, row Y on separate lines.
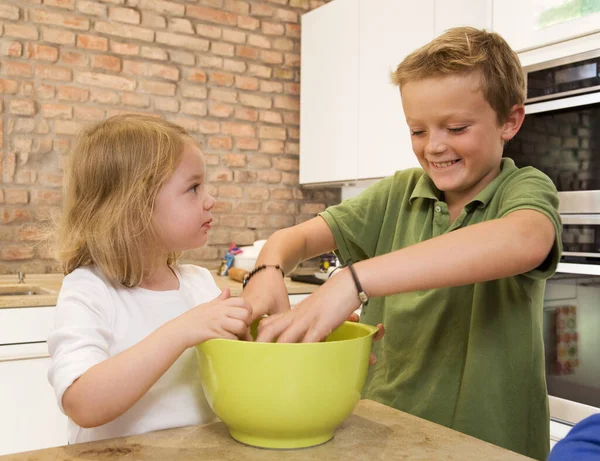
column 275, row 395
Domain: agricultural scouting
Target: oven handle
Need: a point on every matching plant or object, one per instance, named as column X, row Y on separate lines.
column 557, row 104
column 581, row 219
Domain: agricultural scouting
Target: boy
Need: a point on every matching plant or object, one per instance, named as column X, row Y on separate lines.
column 454, row 256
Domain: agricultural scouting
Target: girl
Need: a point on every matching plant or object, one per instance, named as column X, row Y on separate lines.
column 127, row 314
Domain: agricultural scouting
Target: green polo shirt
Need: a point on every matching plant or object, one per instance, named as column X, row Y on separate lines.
column 470, row 357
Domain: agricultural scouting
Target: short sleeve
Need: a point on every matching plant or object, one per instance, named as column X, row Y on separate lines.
column 356, row 222
column 533, row 190
column 82, row 334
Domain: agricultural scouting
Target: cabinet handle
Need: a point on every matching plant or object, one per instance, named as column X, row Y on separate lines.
column 23, row 357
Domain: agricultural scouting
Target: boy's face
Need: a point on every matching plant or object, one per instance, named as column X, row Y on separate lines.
column 455, row 133
column 182, row 209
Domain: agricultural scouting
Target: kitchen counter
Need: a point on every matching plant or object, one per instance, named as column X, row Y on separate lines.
column 373, row 432
column 50, row 284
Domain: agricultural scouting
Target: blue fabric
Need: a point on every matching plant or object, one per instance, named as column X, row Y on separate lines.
column 582, row 443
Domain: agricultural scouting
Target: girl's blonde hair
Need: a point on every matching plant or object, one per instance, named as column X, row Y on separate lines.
column 114, row 175
column 464, row 50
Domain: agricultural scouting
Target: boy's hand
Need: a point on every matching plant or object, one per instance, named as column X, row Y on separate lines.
column 376, row 337
column 266, row 293
column 314, row 318
column 223, row 317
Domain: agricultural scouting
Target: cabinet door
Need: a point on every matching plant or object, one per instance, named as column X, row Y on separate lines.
column 329, row 93
column 529, row 24
column 30, row 418
column 389, row 31
column 455, row 13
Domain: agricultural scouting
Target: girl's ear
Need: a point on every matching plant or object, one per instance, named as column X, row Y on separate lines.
column 513, row 122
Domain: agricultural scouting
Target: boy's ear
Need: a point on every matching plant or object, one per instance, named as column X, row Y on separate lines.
column 513, row 122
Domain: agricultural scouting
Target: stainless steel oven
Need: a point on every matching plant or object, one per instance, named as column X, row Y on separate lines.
column 561, row 137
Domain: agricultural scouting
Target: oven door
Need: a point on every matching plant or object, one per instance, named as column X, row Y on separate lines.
column 572, row 342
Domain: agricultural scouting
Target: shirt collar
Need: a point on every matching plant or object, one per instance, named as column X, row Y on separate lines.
column 425, row 188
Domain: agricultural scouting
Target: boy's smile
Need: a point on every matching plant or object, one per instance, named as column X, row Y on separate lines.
column 455, row 133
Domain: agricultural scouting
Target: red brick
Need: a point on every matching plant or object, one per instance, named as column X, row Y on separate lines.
column 300, row 4
column 238, row 129
column 246, row 83
column 282, row 194
column 292, row 60
column 231, row 191
column 261, row 9
column 8, row 86
column 163, row 7
column 11, row 48
column 31, row 233
column 234, row 66
column 185, row 41
column 287, row 102
column 284, row 44
column 255, row 100
column 153, row 20
column 182, row 57
column 286, row 164
column 248, row 23
column 223, row 95
column 291, row 118
column 16, row 196
column 259, row 41
column 56, row 111
column 271, row 117
column 212, row 15
column 71, row 93
column 74, row 58
column 152, row 52
column 17, row 69
column 234, row 36
column 220, row 110
column 246, row 52
column 106, row 62
column 115, row 82
column 292, row 148
column 135, row 99
column 258, row 193
column 180, row 25
column 59, row 36
column 127, row 31
column 209, row 31
column 271, row 87
column 203, row 60
column 244, row 113
column 193, row 108
column 222, row 49
column 166, row 104
column 220, row 176
column 66, row 127
column 16, row 252
column 271, row 132
column 25, row 31
column 44, row 91
column 220, row 142
column 209, row 127
column 235, row 160
column 246, row 144
column 66, row 4
column 270, row 28
column 293, row 133
column 237, row 6
column 221, row 78
column 92, row 8
column 59, row 19
column 126, row 15
column 53, row 73
column 271, row 57
column 292, row 30
column 269, row 176
column 260, row 71
column 9, row 12
column 289, row 178
column 92, row 42
column 232, row 221
column 193, row 91
column 272, row 147
column 286, row 15
column 47, row 197
column 130, row 49
column 16, row 215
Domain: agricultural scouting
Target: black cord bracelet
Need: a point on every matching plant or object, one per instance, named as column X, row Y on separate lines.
column 364, row 298
column 258, row 269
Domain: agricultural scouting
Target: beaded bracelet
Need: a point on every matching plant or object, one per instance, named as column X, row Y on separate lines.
column 258, row 269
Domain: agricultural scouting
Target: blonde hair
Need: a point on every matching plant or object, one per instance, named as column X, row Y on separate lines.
column 114, row 175
column 465, row 50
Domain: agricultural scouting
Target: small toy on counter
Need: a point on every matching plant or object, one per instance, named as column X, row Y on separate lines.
column 227, row 260
column 329, row 262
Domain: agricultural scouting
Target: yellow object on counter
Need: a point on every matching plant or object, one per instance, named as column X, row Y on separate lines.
column 275, row 395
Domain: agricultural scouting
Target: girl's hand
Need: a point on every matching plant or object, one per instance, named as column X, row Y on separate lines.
column 314, row 318
column 223, row 317
column 266, row 293
column 376, row 337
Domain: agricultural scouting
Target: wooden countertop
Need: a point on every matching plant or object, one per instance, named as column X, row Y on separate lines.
column 373, row 432
column 50, row 285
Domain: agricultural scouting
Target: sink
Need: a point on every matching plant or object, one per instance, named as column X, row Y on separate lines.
column 22, row 289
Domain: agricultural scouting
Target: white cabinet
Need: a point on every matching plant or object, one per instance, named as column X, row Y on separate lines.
column 525, row 24
column 29, row 416
column 328, row 100
column 352, row 126
column 455, row 13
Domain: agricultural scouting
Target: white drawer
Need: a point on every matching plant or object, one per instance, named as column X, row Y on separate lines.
column 25, row 324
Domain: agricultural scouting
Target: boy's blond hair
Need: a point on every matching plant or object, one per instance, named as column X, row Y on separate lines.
column 115, row 173
column 464, row 50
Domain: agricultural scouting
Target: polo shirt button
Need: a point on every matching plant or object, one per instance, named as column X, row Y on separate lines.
column 438, row 208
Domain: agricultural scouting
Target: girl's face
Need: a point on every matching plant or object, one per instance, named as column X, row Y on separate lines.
column 182, row 209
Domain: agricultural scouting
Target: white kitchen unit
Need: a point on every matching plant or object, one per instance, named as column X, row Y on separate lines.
column 518, row 21
column 352, row 126
column 29, row 416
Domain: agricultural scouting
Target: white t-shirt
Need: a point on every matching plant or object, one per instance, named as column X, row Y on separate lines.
column 95, row 320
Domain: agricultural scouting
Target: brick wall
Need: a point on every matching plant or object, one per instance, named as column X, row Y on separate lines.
column 226, row 70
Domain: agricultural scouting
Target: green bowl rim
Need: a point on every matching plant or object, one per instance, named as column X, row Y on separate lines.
column 364, row 326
